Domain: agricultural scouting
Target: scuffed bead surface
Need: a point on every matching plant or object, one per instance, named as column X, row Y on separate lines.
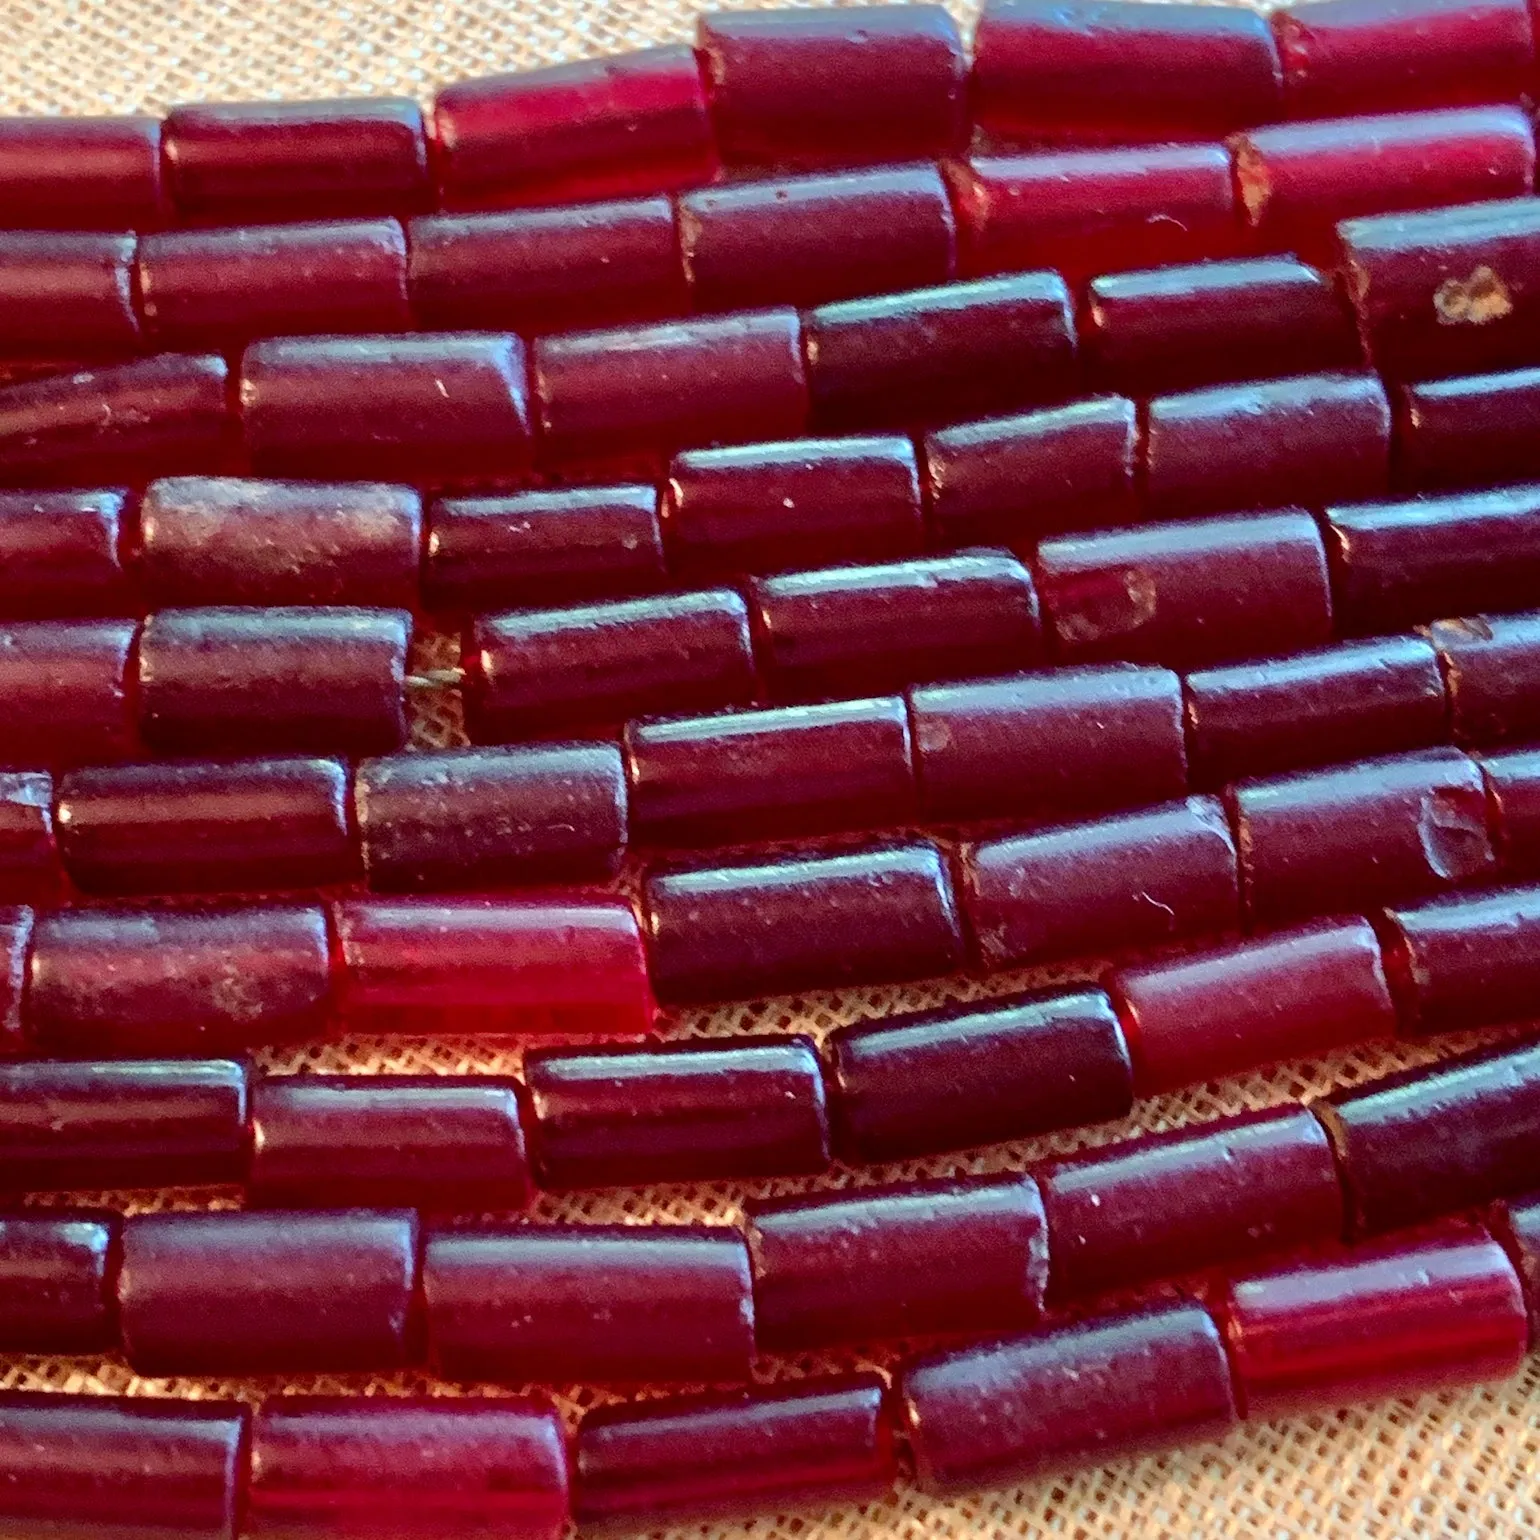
column 30, row 870
column 1476, row 430
column 1491, row 668
column 75, row 173
column 61, row 555
column 1513, row 797
column 16, row 924
column 67, row 295
column 56, row 1274
column 64, row 692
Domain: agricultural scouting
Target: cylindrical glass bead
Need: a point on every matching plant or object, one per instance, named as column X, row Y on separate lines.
column 65, row 696
column 80, row 173
column 1472, row 431
column 1513, row 800
column 67, row 294
column 62, row 555
column 30, row 870
column 1517, row 1226
column 16, row 926
column 57, row 1271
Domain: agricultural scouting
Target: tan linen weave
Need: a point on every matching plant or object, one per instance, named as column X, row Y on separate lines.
column 1459, row 1464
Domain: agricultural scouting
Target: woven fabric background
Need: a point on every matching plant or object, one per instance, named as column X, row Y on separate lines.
column 1459, row 1464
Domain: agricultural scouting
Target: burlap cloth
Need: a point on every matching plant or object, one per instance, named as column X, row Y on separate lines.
column 1459, row 1464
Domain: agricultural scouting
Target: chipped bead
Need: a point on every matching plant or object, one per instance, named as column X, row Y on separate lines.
column 64, row 692
column 56, row 1277
column 62, row 555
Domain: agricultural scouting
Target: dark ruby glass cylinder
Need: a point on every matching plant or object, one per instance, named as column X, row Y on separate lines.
column 30, row 869
column 1471, row 431
column 1491, row 667
column 57, row 1271
column 67, row 295
column 1513, row 793
column 81, row 173
column 16, row 927
column 62, row 555
column 1517, row 1226
column 65, row 692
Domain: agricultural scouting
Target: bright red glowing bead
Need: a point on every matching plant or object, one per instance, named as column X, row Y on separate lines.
column 62, row 555
column 30, row 870
column 65, row 696
column 69, row 295
column 80, row 173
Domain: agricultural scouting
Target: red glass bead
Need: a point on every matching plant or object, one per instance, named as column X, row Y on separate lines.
column 80, row 173
column 56, row 1268
column 1118, row 72
column 1093, row 211
column 67, row 295
column 1397, row 1320
column 1050, row 745
column 756, row 775
column 279, row 1292
column 1093, row 888
column 684, row 1112
column 653, row 389
column 1212, row 1195
column 64, row 692
column 406, row 1468
column 449, row 406
column 77, row 1126
column 1296, row 180
column 61, row 555
column 779, row 1448
column 1348, row 55
column 1377, row 831
column 16, row 925
column 1477, row 430
column 629, row 124
column 1439, row 1139
column 1012, row 480
column 853, row 630
column 1517, row 1227
column 486, row 818
column 811, row 239
column 254, row 826
column 230, row 161
column 525, row 967
column 794, row 87
column 543, row 546
column 552, row 269
column 29, row 850
column 308, row 680
column 1174, row 328
column 860, row 1266
column 1069, row 1395
column 977, row 1074
column 1513, row 795
column 807, row 503
column 600, row 1304
column 941, row 355
column 1305, row 440
column 1188, row 594
column 128, row 422
column 120, row 1466
column 1294, row 994
column 542, row 671
column 877, row 915
column 1446, row 292
column 1491, row 669
column 141, row 983
column 422, row 1141
column 1336, row 703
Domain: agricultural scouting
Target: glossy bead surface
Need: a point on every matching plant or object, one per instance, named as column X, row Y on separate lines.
column 1091, row 888
column 1011, row 480
column 1306, row 440
column 64, row 692
column 1050, row 745
column 29, row 849
column 16, row 926
column 941, row 355
column 542, row 671
column 850, row 1267
column 598, row 1304
column 1215, row 1194
column 753, row 775
column 1491, row 669
column 1294, row 994
column 67, row 294
column 422, row 1141
column 1475, row 430
column 879, row 915
column 1513, row 797
column 278, row 1292
column 388, row 1468
column 977, row 1074
column 449, row 406
column 252, row 826
column 80, row 173
column 120, row 1467
column 1069, row 1395
column 789, row 1447
column 1079, row 72
column 854, row 630
column 1516, row 1225
column 73, row 1125
column 144, row 982
column 683, row 1112
column 595, row 128
column 1396, row 1320
column 1187, row 594
column 807, row 503
column 1332, row 704
column 61, row 555
column 56, row 1282
column 525, row 967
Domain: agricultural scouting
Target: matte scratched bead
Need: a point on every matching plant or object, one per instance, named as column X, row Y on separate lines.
column 80, row 1125
column 56, row 1277
column 1476, row 430
column 1513, row 796
column 629, row 124
column 65, row 696
column 80, row 173
column 67, row 294
column 1188, row 594
column 16, row 926
column 1091, row 888
column 253, row 826
column 682, row 1112
column 1070, row 1395
column 30, row 870
column 882, row 914
column 1491, row 668
column 277, row 1292
column 422, row 1141
column 791, row 1447
column 62, row 555
column 1330, row 704
column 596, row 1304
column 1216, row 1194
column 1293, row 994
